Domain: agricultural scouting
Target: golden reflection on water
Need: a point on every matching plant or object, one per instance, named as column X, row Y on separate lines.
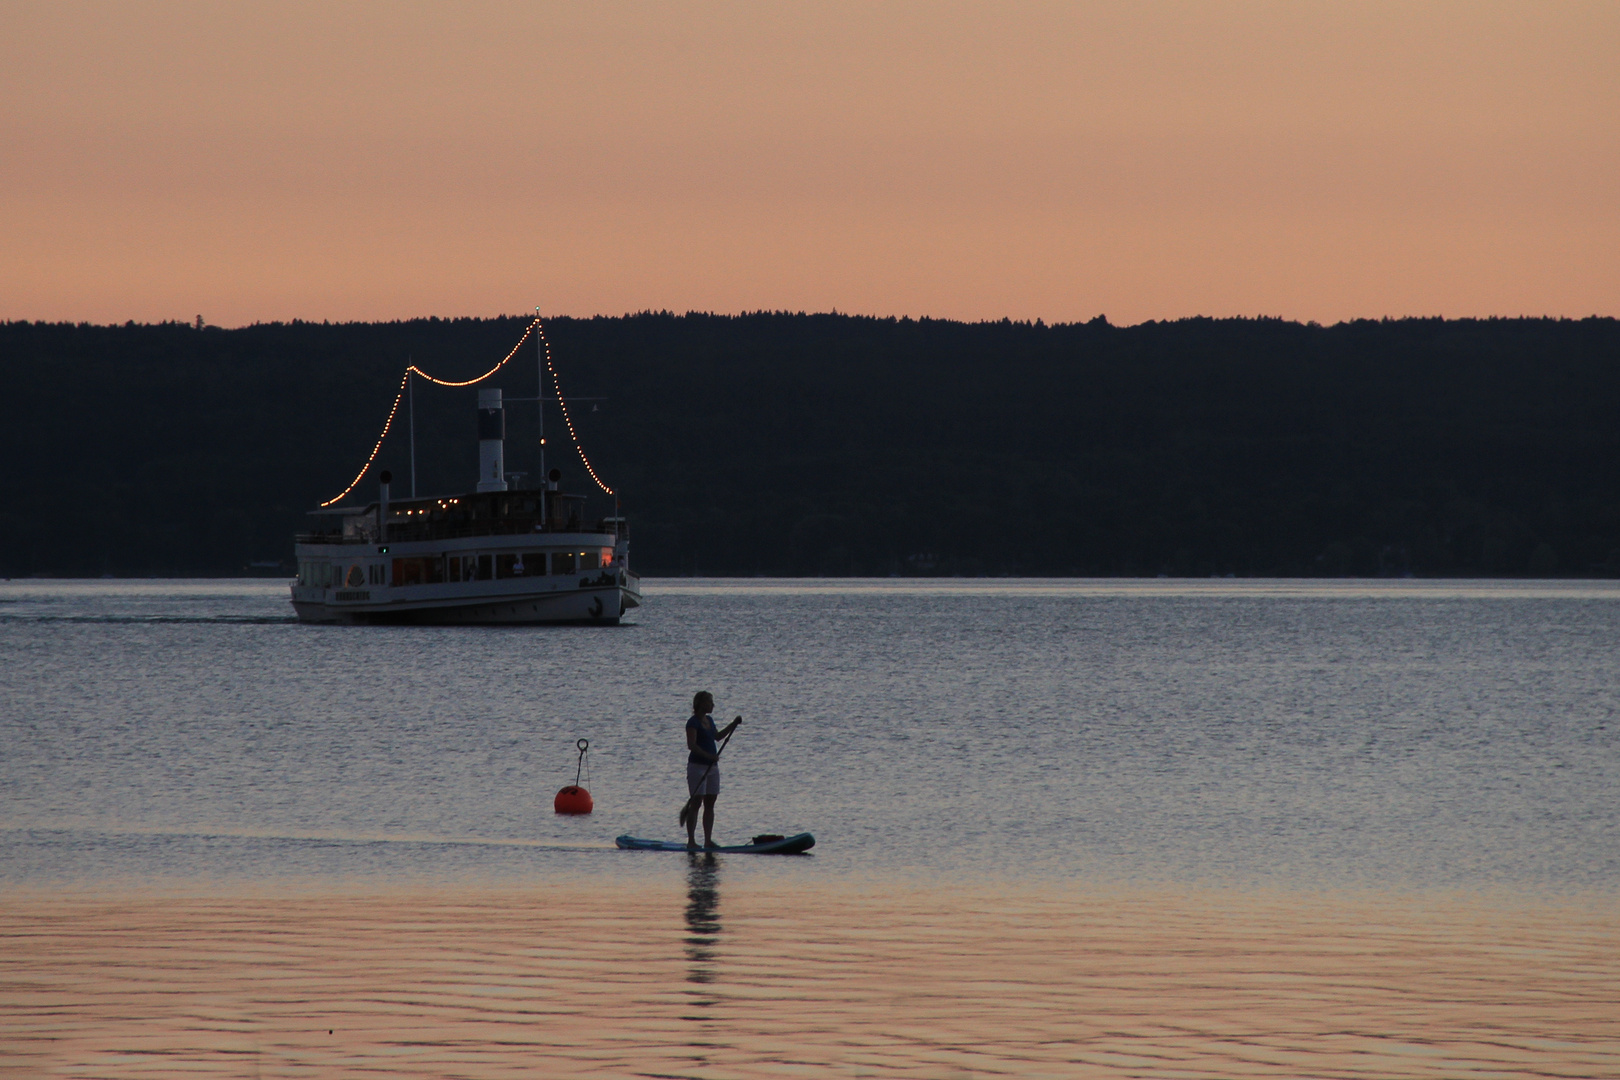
column 704, row 978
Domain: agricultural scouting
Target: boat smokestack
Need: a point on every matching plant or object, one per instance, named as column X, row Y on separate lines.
column 384, row 481
column 491, row 441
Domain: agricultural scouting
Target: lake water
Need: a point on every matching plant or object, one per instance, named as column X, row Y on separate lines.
column 1126, row 790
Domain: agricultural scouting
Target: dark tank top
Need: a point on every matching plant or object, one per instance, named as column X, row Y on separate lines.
column 705, row 739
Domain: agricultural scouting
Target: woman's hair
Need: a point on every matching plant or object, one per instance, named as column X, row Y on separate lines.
column 699, row 698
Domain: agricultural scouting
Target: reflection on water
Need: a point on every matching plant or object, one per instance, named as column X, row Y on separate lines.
column 600, row 982
column 586, row 980
column 702, row 918
column 702, row 938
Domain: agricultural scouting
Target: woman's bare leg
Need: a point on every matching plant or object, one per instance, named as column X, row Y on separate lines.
column 708, row 818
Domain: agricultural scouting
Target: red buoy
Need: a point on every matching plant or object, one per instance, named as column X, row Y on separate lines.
column 573, row 799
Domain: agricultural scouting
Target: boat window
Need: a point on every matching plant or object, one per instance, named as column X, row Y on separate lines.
column 562, row 562
column 510, row 565
column 587, row 560
column 485, row 568
column 455, row 568
column 423, row 570
column 607, row 557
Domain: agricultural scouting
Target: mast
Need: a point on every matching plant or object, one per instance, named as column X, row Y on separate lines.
column 540, row 406
column 412, row 409
column 540, row 398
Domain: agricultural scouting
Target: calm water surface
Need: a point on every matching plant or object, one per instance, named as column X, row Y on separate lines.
column 1067, row 829
column 1365, row 735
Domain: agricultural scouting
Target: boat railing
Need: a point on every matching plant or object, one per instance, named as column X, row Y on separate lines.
column 439, row 530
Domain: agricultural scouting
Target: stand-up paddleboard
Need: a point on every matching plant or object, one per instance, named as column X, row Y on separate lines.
column 779, row 845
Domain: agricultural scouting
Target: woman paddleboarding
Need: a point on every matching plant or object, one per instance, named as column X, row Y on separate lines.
column 703, row 744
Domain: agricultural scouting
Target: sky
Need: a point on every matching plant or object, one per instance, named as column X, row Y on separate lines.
column 348, row 161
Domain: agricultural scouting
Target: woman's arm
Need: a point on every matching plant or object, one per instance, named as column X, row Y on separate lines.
column 729, row 728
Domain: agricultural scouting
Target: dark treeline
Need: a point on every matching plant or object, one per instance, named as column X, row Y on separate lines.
column 828, row 444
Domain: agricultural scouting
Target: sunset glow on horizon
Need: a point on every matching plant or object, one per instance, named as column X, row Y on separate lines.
column 972, row 161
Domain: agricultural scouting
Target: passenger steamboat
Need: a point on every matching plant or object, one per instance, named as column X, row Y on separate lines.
column 498, row 554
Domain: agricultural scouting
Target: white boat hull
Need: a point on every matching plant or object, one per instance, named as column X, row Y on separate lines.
column 601, row 606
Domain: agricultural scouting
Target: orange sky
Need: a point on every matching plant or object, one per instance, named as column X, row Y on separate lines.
column 319, row 161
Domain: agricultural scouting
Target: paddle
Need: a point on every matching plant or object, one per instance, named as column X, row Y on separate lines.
column 689, row 811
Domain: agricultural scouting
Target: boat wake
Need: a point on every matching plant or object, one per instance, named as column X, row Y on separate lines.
column 286, row 836
column 210, row 620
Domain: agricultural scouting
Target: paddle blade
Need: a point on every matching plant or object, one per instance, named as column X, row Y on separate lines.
column 689, row 811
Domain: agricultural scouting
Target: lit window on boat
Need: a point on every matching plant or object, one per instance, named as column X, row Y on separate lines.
column 587, row 560
column 607, row 557
column 510, row 565
column 562, row 562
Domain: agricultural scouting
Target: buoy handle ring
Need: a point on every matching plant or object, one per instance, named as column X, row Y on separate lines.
column 584, row 745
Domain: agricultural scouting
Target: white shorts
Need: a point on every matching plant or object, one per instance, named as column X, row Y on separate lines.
column 694, row 776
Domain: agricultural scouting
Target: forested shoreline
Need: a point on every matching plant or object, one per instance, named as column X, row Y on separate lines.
column 794, row 444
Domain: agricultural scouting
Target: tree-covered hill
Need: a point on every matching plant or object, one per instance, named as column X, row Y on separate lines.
column 829, row 444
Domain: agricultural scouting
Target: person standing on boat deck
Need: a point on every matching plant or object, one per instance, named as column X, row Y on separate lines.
column 702, row 763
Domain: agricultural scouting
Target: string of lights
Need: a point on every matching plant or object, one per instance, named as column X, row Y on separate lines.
column 572, row 434
column 375, row 450
column 487, row 374
column 404, row 382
